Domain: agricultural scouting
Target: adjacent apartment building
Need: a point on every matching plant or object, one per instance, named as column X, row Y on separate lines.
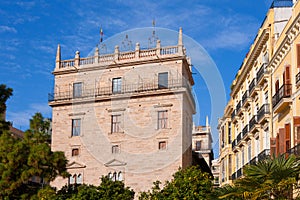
column 262, row 117
column 127, row 115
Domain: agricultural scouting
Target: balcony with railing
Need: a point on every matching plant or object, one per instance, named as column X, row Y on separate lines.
column 263, row 112
column 146, row 88
column 246, row 99
column 262, row 74
column 298, row 79
column 238, row 107
column 239, row 138
column 239, row 173
column 245, row 131
column 282, row 98
column 233, row 115
column 233, row 144
column 233, row 176
column 253, row 161
column 294, row 151
column 252, row 87
column 253, row 125
column 264, row 154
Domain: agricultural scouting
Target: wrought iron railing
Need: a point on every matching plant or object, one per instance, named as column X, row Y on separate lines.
column 253, row 161
column 245, row 96
column 261, row 72
column 125, row 89
column 238, row 106
column 298, row 78
column 233, row 144
column 264, row 154
column 233, row 176
column 285, row 91
column 245, row 131
column 239, row 137
column 295, row 150
column 265, row 109
column 252, row 85
column 239, row 173
column 252, row 122
column 233, row 114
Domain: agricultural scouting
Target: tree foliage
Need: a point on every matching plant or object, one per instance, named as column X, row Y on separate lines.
column 24, row 159
column 189, row 183
column 108, row 189
column 5, row 94
column 272, row 178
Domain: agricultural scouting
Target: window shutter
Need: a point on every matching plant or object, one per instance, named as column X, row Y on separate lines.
column 273, row 146
column 287, row 75
column 287, row 129
column 281, row 141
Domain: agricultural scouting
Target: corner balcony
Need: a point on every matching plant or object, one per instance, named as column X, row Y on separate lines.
column 298, row 79
column 246, row 100
column 262, row 74
column 252, row 88
column 253, row 125
column 253, row 161
column 263, row 113
column 282, row 98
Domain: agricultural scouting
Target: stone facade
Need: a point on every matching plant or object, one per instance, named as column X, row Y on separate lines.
column 127, row 115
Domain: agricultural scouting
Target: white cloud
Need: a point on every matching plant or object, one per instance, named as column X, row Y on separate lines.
column 7, row 29
column 21, row 119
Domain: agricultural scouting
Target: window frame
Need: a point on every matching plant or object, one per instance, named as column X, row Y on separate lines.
column 162, row 145
column 162, row 119
column 163, row 80
column 115, row 149
column 117, row 85
column 75, row 152
column 77, row 91
column 76, row 127
column 116, row 123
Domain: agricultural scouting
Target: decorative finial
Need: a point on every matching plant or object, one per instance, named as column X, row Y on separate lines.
column 180, row 37
column 58, row 55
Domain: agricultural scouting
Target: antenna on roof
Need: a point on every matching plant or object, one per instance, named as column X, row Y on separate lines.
column 153, row 39
column 102, row 46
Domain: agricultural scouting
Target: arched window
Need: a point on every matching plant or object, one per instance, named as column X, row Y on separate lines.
column 71, row 180
column 75, row 178
column 110, row 176
column 79, row 179
column 115, row 176
column 120, row 176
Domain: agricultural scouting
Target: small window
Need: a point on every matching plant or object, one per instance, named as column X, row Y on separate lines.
column 110, row 175
column 162, row 119
column 79, row 179
column 75, row 152
column 198, row 145
column 114, row 176
column 117, row 85
column 115, row 123
column 115, row 149
column 76, row 127
column 163, row 80
column 77, row 90
column 162, row 145
column 120, row 176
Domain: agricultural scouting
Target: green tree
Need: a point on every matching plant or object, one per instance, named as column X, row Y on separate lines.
column 189, row 183
column 5, row 94
column 30, row 157
column 272, row 178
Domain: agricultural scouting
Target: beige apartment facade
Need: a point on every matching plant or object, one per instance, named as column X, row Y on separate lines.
column 258, row 110
column 127, row 115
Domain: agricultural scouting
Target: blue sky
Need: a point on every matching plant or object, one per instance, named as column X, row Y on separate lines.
column 31, row 30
